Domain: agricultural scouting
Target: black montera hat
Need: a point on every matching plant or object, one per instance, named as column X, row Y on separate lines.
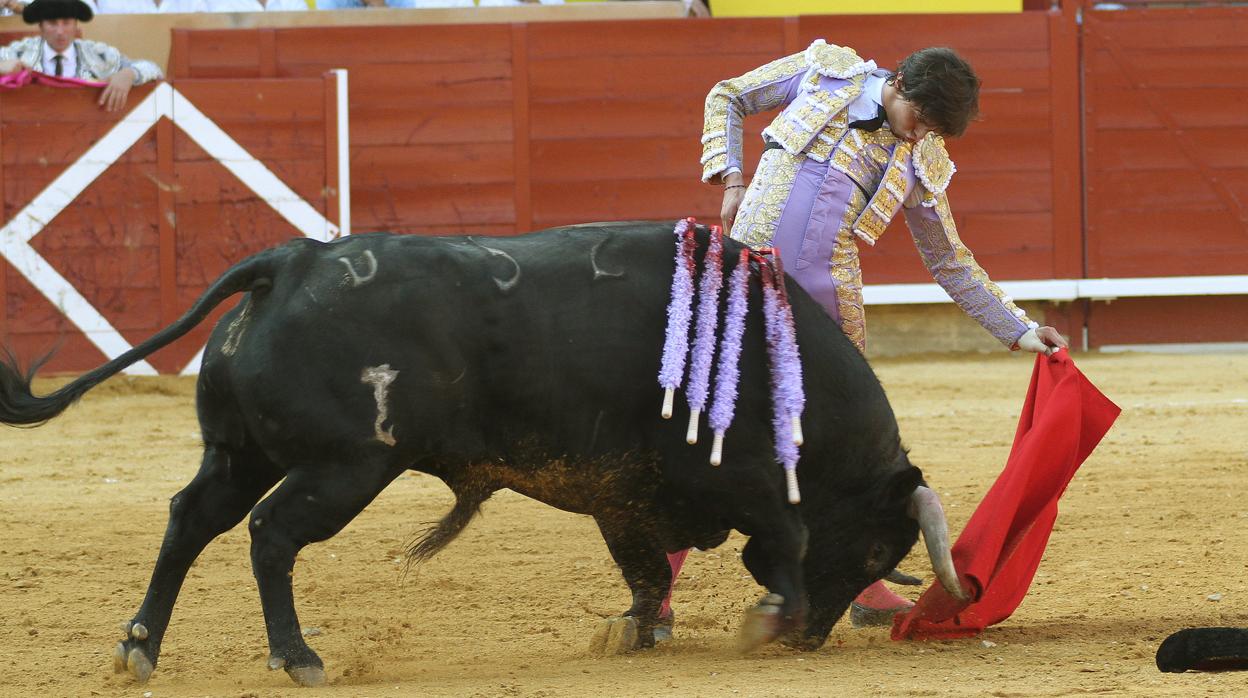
column 41, row 10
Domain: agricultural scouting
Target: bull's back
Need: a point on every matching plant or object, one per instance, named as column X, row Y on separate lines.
column 483, row 339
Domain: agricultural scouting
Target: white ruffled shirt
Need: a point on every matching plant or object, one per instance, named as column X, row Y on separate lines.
column 69, row 65
column 869, row 101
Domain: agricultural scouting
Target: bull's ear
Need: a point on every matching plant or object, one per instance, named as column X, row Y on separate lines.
column 898, row 488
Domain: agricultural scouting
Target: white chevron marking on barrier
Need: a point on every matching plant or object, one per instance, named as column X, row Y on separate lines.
column 164, row 101
column 15, row 236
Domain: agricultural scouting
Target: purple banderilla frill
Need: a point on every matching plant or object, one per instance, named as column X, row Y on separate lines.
column 794, row 396
column 786, row 373
column 706, row 324
column 788, row 399
column 729, row 374
column 679, row 313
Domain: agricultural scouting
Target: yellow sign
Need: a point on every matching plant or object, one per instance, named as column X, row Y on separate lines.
column 788, row 8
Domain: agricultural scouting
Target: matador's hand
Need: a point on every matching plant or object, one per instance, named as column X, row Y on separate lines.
column 1042, row 340
column 734, row 194
column 113, row 96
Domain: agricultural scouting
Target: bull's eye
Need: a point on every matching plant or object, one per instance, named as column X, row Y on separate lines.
column 877, row 558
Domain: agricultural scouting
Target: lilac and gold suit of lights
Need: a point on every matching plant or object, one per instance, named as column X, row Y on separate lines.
column 829, row 185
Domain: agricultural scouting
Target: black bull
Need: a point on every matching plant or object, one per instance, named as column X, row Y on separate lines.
column 526, row 363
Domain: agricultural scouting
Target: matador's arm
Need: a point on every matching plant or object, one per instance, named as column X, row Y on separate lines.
column 729, row 102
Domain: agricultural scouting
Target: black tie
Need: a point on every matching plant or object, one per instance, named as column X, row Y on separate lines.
column 870, row 124
column 59, row 59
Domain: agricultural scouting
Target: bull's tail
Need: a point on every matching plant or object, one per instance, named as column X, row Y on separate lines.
column 427, row 543
column 18, row 406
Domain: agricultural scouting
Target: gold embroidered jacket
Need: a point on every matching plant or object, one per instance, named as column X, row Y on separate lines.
column 815, row 88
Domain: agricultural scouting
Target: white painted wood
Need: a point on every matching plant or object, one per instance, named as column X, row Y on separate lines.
column 1179, row 348
column 250, row 171
column 344, row 155
column 1105, row 289
column 62, row 294
column 1028, row 290
column 31, row 220
column 164, row 101
column 15, row 236
column 1068, row 289
column 192, row 367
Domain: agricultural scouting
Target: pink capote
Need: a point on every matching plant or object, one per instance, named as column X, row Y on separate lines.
column 1063, row 419
column 26, row 76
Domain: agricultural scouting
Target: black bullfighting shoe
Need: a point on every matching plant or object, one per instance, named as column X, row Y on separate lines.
column 1204, row 649
column 861, row 616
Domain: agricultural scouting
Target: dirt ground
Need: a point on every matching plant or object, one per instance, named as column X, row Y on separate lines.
column 1153, row 529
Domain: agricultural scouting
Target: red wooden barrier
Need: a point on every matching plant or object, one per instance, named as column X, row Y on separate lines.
column 1167, row 137
column 431, row 128
column 500, row 129
column 1167, row 189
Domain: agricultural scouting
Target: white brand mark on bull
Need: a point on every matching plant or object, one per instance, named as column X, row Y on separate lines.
column 593, row 260
column 234, row 333
column 358, row 279
column 593, row 438
column 380, row 377
column 462, row 372
column 503, row 285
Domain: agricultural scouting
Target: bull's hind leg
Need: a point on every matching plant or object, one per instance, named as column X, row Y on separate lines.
column 648, row 575
column 311, row 505
column 227, row 485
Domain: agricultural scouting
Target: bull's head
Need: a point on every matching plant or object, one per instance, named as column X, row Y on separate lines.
column 856, row 540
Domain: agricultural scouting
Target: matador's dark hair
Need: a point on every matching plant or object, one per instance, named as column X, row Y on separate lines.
column 942, row 86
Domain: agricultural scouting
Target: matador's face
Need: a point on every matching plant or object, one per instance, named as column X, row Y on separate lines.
column 903, row 116
column 59, row 33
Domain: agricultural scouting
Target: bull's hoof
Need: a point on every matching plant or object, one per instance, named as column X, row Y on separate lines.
column 307, row 676
column 131, row 654
column 663, row 628
column 301, row 665
column 802, row 642
column 763, row 623
column 616, row 635
column 134, row 660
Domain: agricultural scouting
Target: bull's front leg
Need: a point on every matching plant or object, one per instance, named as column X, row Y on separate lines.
column 774, row 558
column 648, row 575
column 227, row 485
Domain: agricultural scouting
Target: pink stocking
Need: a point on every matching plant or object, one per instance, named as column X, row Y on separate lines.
column 880, row 597
column 676, row 561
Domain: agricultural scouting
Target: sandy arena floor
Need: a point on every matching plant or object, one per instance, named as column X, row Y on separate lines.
column 1152, row 529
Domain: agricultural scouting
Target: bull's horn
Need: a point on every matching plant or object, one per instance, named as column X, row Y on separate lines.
column 925, row 508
